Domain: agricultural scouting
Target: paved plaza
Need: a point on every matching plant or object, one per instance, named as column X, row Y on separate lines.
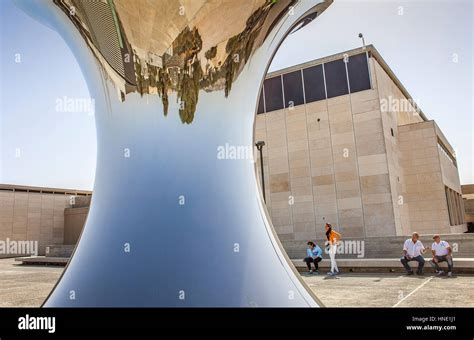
column 25, row 286
column 393, row 290
column 28, row 286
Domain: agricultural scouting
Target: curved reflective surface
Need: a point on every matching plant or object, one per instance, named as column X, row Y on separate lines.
column 177, row 218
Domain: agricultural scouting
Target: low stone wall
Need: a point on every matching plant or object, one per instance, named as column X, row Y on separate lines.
column 59, row 250
column 384, row 247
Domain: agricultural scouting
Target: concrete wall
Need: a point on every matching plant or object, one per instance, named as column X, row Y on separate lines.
column 427, row 171
column 423, row 190
column 373, row 156
column 32, row 216
column 74, row 220
column 390, row 247
column 450, row 178
column 469, row 210
column 468, row 201
column 396, row 110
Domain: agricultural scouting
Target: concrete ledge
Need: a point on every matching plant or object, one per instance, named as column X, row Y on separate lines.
column 465, row 265
column 386, row 247
column 43, row 260
column 59, row 250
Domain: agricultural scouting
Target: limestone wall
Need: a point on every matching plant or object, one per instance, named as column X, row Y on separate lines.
column 387, row 247
column 371, row 170
column 327, row 159
column 74, row 220
column 32, row 216
column 424, row 183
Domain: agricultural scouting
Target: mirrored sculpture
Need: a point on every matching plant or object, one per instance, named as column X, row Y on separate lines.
column 177, row 218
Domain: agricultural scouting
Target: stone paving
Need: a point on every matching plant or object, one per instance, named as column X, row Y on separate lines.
column 392, row 290
column 28, row 286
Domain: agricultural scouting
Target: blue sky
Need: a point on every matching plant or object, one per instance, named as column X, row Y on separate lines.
column 41, row 146
column 428, row 45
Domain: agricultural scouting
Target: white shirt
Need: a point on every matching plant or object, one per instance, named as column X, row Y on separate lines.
column 413, row 249
column 440, row 248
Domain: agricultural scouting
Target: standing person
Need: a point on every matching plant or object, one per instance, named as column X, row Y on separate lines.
column 313, row 255
column 412, row 250
column 333, row 238
column 441, row 251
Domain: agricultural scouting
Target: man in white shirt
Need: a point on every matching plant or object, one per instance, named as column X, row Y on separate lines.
column 442, row 252
column 412, row 250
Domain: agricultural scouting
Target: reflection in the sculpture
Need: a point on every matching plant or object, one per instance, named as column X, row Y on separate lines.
column 183, row 66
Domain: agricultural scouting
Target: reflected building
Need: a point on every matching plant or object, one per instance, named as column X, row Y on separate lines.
column 156, row 47
column 346, row 142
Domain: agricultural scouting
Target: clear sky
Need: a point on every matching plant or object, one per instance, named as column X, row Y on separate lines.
column 428, row 45
column 41, row 145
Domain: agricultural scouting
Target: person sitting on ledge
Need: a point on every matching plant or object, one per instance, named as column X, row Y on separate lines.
column 412, row 250
column 442, row 252
column 313, row 255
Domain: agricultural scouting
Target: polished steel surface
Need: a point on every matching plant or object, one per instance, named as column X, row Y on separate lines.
column 177, row 218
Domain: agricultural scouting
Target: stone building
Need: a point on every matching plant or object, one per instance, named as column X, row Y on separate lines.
column 40, row 214
column 346, row 143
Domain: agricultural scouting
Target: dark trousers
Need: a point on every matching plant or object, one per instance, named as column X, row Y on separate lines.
column 310, row 260
column 445, row 258
column 421, row 262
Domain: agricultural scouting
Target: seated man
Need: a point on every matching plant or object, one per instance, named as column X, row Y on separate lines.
column 313, row 255
column 442, row 252
column 412, row 250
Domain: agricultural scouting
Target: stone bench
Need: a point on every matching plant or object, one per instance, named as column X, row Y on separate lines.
column 461, row 265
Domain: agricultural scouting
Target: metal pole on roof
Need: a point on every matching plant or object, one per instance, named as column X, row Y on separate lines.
column 363, row 41
column 367, row 57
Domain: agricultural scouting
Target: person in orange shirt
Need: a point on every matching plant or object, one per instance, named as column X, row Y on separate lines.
column 333, row 238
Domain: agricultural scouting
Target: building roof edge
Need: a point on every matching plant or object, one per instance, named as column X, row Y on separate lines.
column 372, row 51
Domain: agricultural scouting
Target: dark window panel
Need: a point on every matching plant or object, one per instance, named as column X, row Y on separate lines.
column 358, row 70
column 314, row 83
column 273, row 94
column 260, row 108
column 336, row 79
column 293, row 85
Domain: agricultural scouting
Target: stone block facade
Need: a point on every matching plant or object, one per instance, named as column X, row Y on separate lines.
column 34, row 214
column 361, row 161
